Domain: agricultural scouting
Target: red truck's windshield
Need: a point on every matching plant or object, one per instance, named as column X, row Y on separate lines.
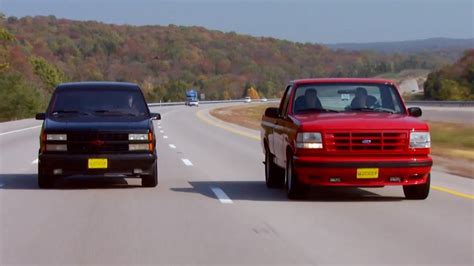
column 347, row 98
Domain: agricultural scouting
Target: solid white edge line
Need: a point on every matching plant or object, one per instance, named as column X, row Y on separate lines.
column 18, row 130
column 220, row 194
column 187, row 162
column 35, row 161
column 172, row 146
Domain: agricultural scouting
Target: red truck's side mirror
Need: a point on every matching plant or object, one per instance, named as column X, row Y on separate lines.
column 414, row 111
column 271, row 112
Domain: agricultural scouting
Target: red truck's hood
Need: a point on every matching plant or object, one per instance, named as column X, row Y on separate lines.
column 358, row 121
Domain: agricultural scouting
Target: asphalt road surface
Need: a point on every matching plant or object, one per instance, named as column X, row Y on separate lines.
column 212, row 207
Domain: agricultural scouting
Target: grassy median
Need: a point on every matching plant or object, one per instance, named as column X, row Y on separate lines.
column 452, row 144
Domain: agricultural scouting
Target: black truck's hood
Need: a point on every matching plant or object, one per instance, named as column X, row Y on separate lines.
column 82, row 124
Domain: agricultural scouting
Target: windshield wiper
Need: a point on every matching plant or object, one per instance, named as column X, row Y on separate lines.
column 65, row 111
column 321, row 110
column 372, row 109
column 114, row 112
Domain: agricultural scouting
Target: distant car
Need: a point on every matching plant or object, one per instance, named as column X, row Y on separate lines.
column 97, row 129
column 264, row 100
column 193, row 103
column 248, row 100
column 317, row 138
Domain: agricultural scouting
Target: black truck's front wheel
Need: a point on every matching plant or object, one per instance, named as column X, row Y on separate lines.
column 418, row 192
column 44, row 181
column 152, row 179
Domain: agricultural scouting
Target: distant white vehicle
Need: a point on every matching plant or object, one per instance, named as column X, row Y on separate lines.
column 264, row 100
column 193, row 103
column 247, row 100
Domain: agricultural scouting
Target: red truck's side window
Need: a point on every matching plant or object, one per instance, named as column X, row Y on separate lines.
column 283, row 110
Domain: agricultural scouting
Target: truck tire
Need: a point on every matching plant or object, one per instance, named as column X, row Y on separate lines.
column 294, row 189
column 152, row 179
column 44, row 181
column 418, row 192
column 274, row 175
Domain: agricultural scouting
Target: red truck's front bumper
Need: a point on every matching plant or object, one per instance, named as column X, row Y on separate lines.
column 342, row 171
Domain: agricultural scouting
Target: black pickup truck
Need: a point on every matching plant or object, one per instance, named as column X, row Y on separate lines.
column 97, row 129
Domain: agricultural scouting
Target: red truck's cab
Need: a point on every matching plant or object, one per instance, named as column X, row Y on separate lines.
column 345, row 132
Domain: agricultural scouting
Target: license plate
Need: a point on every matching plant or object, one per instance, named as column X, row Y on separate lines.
column 97, row 163
column 366, row 173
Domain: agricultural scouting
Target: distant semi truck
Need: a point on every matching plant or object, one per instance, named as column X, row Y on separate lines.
column 192, row 98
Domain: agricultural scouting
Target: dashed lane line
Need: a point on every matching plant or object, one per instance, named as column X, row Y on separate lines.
column 187, row 162
column 221, row 196
column 172, row 146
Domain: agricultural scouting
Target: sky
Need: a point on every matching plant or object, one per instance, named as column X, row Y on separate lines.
column 316, row 21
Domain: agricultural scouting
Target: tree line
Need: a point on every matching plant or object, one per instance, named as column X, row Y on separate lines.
column 39, row 52
column 452, row 82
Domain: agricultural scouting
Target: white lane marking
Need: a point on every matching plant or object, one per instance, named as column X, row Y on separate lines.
column 172, row 146
column 35, row 161
column 187, row 162
column 220, row 194
column 159, row 127
column 162, row 131
column 18, row 130
column 165, row 137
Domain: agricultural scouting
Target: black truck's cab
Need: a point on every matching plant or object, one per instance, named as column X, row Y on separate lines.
column 97, row 129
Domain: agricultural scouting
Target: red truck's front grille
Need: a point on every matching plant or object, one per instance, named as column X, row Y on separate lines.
column 366, row 141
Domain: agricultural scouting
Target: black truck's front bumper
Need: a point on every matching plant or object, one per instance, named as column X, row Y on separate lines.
column 130, row 165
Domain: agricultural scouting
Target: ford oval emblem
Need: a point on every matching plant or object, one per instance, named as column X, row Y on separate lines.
column 366, row 141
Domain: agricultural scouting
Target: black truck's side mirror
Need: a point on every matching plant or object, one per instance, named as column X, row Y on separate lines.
column 415, row 111
column 40, row 116
column 155, row 116
column 271, row 112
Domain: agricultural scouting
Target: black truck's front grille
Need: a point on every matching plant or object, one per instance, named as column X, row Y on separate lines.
column 97, row 142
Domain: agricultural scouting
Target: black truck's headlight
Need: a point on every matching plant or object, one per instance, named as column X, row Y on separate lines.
column 143, row 136
column 56, row 137
column 56, row 147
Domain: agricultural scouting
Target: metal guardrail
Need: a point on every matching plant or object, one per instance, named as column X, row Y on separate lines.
column 410, row 103
column 442, row 103
column 210, row 102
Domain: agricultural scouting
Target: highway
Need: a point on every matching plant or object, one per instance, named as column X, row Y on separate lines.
column 212, row 207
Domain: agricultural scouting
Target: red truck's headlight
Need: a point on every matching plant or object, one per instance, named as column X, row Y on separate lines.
column 420, row 140
column 309, row 140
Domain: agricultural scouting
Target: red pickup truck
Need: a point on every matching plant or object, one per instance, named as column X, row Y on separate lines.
column 345, row 132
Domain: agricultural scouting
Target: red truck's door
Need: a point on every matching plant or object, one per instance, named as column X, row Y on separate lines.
column 280, row 131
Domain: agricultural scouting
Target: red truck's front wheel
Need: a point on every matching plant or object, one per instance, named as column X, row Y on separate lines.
column 418, row 192
column 274, row 176
column 294, row 189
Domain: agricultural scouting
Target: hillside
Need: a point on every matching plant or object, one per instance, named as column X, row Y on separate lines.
column 39, row 52
column 453, row 82
column 450, row 48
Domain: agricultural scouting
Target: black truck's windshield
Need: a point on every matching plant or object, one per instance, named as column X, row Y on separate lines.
column 98, row 102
